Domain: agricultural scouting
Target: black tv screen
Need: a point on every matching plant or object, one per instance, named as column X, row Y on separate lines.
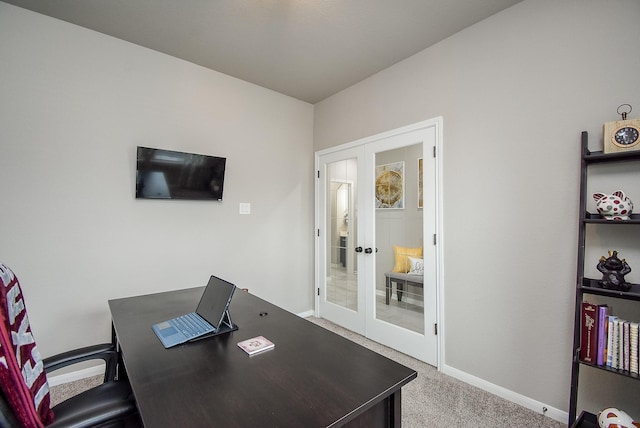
column 167, row 174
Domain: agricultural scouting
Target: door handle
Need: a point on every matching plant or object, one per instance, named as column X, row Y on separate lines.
column 358, row 249
column 368, row 250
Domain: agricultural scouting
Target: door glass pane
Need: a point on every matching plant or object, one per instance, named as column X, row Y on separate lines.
column 399, row 237
column 342, row 267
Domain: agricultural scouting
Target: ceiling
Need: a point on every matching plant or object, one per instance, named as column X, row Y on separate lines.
column 307, row 49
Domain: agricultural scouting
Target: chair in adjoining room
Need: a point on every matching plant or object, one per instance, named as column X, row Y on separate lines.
column 24, row 389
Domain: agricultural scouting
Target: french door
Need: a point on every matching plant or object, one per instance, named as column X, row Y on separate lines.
column 376, row 252
column 342, row 271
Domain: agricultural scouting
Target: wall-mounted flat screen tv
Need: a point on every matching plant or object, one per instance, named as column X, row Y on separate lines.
column 167, row 174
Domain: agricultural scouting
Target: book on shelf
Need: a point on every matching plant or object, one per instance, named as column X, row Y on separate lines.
column 610, row 320
column 256, row 345
column 616, row 362
column 588, row 333
column 608, row 340
column 633, row 344
column 603, row 310
column 626, row 337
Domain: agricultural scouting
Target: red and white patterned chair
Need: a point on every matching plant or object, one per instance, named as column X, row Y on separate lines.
column 24, row 390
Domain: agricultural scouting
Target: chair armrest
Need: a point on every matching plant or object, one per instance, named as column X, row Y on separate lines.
column 104, row 351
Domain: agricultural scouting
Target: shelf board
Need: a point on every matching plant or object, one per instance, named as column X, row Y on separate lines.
column 597, row 218
column 591, row 286
column 610, row 370
column 599, row 157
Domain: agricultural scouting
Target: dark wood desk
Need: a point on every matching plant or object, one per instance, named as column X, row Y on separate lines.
column 313, row 377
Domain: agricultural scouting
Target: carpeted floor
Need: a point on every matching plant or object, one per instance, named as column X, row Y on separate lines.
column 432, row 400
column 436, row 400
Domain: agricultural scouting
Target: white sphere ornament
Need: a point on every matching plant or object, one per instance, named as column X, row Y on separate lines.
column 615, row 418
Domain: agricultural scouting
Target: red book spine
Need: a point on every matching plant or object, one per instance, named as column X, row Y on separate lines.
column 589, row 333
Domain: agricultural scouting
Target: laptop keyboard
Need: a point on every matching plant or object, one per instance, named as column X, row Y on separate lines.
column 192, row 325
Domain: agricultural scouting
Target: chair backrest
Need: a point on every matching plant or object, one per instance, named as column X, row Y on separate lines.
column 23, row 380
column 7, row 418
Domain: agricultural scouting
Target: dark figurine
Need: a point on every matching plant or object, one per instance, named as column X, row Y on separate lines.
column 613, row 271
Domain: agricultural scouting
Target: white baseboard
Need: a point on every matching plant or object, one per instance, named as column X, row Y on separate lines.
column 76, row 375
column 529, row 403
column 307, row 314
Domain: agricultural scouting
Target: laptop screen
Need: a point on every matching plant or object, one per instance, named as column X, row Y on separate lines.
column 215, row 300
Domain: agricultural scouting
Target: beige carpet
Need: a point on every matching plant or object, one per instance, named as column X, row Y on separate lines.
column 436, row 400
column 432, row 400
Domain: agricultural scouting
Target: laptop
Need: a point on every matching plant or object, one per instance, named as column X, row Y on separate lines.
column 211, row 316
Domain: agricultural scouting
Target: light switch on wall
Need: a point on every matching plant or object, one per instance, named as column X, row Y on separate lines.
column 245, row 208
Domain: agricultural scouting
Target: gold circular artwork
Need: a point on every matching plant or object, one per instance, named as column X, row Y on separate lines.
column 389, row 188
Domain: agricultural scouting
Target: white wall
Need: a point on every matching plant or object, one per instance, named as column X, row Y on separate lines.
column 74, row 104
column 515, row 91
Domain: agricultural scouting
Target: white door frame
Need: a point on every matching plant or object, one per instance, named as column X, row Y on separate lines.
column 436, row 123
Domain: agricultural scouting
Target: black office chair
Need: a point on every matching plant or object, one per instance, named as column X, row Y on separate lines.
column 24, row 390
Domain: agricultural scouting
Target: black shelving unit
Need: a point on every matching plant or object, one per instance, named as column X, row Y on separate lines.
column 586, row 420
column 589, row 286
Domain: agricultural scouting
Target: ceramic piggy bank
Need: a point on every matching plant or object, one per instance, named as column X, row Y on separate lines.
column 613, row 207
column 615, row 418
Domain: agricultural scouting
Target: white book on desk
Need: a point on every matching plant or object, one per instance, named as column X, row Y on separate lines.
column 256, row 345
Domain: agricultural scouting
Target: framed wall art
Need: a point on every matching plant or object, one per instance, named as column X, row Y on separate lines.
column 390, row 186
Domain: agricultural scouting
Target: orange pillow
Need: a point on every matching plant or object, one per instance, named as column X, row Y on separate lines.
column 402, row 258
